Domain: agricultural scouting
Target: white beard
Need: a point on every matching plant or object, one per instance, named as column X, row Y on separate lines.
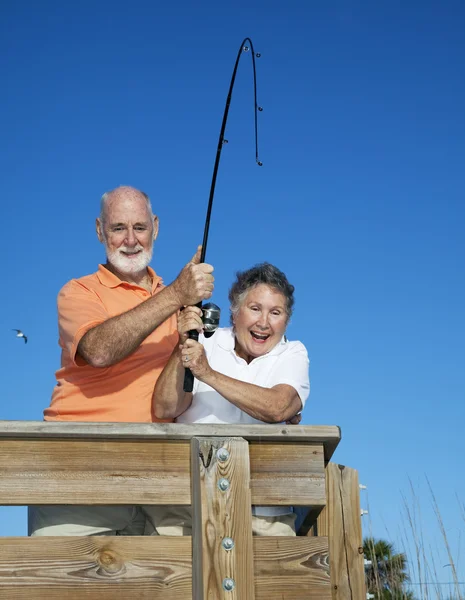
column 129, row 266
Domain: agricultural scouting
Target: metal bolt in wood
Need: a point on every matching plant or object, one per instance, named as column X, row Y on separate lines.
column 228, row 543
column 223, row 484
column 229, row 584
column 222, row 455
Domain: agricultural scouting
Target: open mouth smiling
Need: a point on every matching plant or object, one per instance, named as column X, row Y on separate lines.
column 259, row 337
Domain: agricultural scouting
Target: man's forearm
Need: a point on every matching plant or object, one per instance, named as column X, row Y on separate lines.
column 271, row 405
column 169, row 398
column 117, row 337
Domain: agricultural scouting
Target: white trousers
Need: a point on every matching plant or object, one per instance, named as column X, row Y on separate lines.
column 69, row 520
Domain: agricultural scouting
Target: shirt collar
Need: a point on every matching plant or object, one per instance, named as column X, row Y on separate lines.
column 227, row 341
column 110, row 280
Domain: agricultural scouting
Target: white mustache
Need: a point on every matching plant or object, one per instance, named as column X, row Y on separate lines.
column 128, row 250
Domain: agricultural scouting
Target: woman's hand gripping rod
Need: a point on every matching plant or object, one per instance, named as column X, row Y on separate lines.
column 211, row 321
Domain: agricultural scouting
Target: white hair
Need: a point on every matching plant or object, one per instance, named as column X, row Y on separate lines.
column 106, row 195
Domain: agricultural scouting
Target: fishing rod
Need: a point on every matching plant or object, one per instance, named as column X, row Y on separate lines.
column 211, row 312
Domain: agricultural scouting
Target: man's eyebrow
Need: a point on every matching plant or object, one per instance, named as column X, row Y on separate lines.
column 139, row 224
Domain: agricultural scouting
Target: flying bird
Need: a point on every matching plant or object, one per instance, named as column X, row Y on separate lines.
column 20, row 334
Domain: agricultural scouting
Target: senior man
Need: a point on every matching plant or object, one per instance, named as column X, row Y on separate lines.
column 117, row 330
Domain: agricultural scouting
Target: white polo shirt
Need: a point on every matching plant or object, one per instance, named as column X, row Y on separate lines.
column 286, row 363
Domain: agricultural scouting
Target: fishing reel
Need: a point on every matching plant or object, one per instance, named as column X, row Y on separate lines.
column 210, row 318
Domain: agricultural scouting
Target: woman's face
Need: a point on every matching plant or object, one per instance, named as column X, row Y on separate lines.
column 260, row 322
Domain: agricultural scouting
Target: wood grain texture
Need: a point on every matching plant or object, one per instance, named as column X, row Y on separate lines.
column 221, row 514
column 290, row 568
column 284, row 471
column 159, row 568
column 328, row 435
column 95, row 568
column 94, row 472
column 340, row 522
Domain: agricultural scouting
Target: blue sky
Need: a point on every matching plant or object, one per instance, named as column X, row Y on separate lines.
column 360, row 199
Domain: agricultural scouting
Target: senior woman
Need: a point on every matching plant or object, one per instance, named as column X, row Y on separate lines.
column 246, row 373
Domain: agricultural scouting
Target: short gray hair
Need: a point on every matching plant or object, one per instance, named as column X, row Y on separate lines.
column 106, row 195
column 263, row 273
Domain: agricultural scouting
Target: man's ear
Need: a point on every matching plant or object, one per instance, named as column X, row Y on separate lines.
column 156, row 224
column 99, row 230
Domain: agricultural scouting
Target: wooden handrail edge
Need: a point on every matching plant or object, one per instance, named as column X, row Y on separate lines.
column 328, row 435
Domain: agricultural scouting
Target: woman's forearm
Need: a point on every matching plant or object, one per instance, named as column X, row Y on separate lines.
column 271, row 405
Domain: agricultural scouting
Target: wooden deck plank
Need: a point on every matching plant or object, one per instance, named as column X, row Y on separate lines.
column 95, row 568
column 282, row 471
column 287, row 568
column 328, row 435
column 92, row 471
column 155, row 568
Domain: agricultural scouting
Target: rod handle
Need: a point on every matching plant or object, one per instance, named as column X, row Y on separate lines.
column 188, row 376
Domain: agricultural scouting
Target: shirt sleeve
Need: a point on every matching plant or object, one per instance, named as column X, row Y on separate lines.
column 79, row 309
column 292, row 369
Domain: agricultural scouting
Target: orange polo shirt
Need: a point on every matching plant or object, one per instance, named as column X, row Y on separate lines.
column 122, row 392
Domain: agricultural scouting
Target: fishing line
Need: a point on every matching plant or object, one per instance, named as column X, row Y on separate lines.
column 245, row 47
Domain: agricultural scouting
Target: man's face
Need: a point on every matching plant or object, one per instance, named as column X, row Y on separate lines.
column 128, row 232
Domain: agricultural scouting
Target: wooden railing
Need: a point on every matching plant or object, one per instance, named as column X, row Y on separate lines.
column 150, row 464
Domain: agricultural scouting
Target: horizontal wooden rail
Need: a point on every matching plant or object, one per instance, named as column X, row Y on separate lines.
column 157, row 567
column 327, row 435
column 221, row 470
column 95, row 472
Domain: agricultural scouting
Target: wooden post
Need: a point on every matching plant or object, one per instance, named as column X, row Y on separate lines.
column 222, row 520
column 340, row 522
